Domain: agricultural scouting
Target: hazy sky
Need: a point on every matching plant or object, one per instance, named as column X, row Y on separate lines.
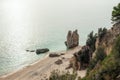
column 56, row 13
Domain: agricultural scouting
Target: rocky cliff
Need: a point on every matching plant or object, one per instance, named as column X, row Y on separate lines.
column 107, row 68
column 107, row 41
column 109, row 38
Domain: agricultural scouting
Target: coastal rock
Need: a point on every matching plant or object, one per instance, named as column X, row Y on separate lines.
column 54, row 55
column 58, row 62
column 39, row 51
column 30, row 50
column 62, row 53
column 72, row 39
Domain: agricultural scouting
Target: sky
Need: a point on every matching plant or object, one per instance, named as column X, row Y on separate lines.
column 56, row 13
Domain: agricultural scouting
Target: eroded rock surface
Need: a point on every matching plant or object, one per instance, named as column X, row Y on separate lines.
column 72, row 39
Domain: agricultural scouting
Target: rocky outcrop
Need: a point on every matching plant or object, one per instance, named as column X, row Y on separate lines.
column 81, row 59
column 109, row 38
column 39, row 51
column 72, row 39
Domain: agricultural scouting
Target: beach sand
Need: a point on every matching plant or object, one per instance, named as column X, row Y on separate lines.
column 41, row 69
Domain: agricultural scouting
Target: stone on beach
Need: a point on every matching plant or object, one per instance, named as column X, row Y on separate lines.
column 44, row 50
column 54, row 55
column 58, row 62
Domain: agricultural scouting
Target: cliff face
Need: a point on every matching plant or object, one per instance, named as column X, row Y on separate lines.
column 109, row 38
column 109, row 67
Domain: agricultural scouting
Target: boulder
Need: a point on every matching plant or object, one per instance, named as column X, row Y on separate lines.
column 30, row 50
column 40, row 51
column 54, row 55
column 58, row 62
column 62, row 53
column 72, row 39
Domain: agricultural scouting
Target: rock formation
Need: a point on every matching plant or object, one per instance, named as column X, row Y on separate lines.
column 54, row 55
column 81, row 59
column 30, row 50
column 39, row 51
column 58, row 62
column 72, row 39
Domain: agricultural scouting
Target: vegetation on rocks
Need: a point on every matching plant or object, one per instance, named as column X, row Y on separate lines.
column 109, row 68
column 101, row 33
column 57, row 75
column 91, row 41
column 116, row 14
column 99, row 57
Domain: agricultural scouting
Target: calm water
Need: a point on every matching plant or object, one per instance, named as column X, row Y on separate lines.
column 32, row 24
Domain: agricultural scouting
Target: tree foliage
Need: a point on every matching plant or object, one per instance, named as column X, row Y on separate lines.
column 101, row 33
column 99, row 56
column 116, row 14
column 91, row 41
column 116, row 48
column 57, row 75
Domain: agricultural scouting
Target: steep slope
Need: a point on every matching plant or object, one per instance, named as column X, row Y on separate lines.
column 109, row 67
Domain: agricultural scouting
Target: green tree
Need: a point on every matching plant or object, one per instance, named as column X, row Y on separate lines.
column 101, row 33
column 116, row 14
column 91, row 41
column 99, row 56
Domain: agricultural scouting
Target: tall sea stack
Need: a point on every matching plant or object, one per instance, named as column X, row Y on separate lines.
column 72, row 39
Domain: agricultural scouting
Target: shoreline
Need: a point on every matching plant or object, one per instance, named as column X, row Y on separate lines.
column 39, row 67
column 29, row 64
column 24, row 66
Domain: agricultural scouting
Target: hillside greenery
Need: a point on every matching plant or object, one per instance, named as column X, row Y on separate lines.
column 91, row 40
column 57, row 75
column 108, row 68
column 100, row 56
column 116, row 14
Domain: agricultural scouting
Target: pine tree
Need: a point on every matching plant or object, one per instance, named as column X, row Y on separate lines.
column 116, row 14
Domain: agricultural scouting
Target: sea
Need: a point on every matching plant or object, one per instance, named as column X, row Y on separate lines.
column 35, row 24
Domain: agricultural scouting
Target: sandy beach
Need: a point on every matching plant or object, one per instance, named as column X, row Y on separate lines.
column 41, row 69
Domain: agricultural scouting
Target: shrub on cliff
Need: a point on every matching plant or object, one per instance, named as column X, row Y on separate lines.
column 101, row 33
column 116, row 49
column 116, row 14
column 100, row 56
column 91, row 41
column 57, row 75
